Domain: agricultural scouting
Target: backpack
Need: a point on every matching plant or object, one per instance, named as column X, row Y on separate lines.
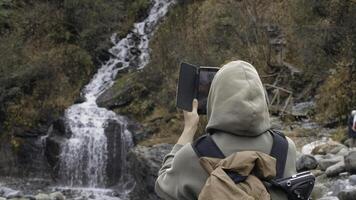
column 297, row 187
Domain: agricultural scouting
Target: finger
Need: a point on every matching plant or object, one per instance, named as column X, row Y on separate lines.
column 195, row 105
column 185, row 113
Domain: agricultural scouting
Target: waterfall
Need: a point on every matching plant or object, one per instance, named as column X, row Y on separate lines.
column 83, row 158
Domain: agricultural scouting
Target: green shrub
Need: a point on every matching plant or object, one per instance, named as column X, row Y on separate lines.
column 48, row 52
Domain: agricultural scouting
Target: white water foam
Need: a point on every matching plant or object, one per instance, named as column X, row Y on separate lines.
column 83, row 158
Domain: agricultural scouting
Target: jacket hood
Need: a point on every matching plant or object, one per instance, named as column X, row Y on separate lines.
column 237, row 101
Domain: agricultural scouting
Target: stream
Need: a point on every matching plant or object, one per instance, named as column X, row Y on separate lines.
column 83, row 159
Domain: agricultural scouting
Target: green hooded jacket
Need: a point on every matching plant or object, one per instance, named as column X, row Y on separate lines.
column 237, row 111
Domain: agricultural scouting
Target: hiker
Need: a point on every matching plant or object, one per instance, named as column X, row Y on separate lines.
column 238, row 122
column 352, row 129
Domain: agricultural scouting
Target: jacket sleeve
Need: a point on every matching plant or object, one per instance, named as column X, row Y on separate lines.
column 291, row 168
column 167, row 183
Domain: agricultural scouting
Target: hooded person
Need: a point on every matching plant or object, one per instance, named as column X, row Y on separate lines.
column 352, row 129
column 238, row 116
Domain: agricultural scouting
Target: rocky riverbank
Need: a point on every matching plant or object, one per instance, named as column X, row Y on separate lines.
column 333, row 164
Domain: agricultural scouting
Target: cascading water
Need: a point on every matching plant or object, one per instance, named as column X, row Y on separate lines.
column 84, row 156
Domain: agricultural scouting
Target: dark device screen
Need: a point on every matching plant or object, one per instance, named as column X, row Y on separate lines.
column 186, row 91
column 206, row 76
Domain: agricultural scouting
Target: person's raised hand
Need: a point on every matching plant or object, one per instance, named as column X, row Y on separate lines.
column 191, row 121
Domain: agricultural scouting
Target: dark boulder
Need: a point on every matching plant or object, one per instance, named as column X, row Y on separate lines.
column 57, row 134
column 22, row 153
column 116, row 98
column 80, row 99
column 113, row 132
column 144, row 163
column 306, row 162
column 31, row 158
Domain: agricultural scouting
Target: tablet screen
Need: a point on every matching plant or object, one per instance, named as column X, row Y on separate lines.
column 206, row 76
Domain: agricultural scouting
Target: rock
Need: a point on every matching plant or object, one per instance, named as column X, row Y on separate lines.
column 8, row 166
column 57, row 196
column 29, row 197
column 336, row 187
column 116, row 97
column 306, row 162
column 113, row 133
column 303, row 108
column 325, row 163
column 317, row 172
column 350, row 162
column 352, row 179
column 318, row 191
column 125, row 90
column 325, row 148
column 42, row 196
column 57, row 134
column 9, row 193
column 335, row 169
column 343, row 152
column 80, row 99
column 337, row 149
column 320, row 157
column 328, row 198
column 21, row 155
column 144, row 163
column 348, row 194
column 139, row 132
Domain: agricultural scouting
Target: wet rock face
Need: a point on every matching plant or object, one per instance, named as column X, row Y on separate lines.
column 7, row 159
column 23, row 156
column 144, row 163
column 31, row 159
column 58, row 133
column 113, row 133
column 112, row 99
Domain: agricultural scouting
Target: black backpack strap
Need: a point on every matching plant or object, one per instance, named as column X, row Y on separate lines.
column 279, row 151
column 206, row 147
